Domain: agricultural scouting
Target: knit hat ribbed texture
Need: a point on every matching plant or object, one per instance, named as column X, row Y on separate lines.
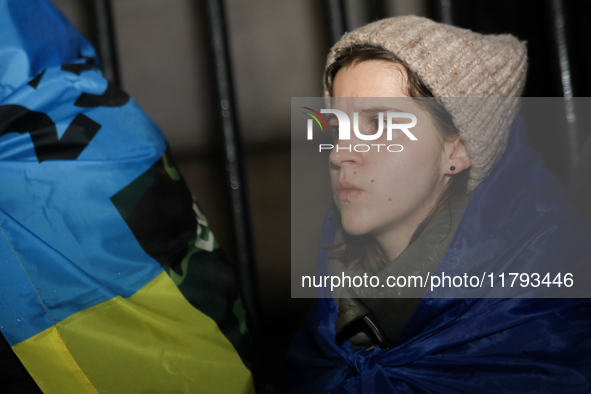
column 458, row 66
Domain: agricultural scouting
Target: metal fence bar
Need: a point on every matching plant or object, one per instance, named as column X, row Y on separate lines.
column 226, row 107
column 335, row 16
column 105, row 39
column 573, row 144
column 377, row 10
column 446, row 14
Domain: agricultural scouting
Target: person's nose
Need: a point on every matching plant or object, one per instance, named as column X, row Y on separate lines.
column 345, row 155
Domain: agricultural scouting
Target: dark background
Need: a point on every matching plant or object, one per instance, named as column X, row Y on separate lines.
column 277, row 51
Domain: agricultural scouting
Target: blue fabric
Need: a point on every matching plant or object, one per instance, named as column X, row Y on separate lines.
column 520, row 219
column 35, row 36
column 69, row 141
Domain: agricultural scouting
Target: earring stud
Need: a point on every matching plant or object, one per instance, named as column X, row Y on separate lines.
column 453, row 168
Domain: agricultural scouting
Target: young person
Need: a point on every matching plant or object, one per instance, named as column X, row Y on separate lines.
column 471, row 197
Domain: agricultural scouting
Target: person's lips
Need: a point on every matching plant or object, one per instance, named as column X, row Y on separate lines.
column 347, row 190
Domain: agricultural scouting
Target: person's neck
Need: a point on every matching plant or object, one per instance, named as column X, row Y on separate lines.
column 397, row 236
column 394, row 240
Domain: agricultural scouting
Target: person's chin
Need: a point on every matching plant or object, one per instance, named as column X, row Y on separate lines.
column 355, row 227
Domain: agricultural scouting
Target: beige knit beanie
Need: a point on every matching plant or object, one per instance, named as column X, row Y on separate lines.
column 457, row 65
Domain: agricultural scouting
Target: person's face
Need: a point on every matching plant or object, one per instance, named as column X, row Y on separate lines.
column 385, row 194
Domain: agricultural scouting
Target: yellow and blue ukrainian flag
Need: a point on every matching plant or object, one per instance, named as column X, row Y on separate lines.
column 110, row 281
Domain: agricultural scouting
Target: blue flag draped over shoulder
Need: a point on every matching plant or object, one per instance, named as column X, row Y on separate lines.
column 109, row 274
column 520, row 213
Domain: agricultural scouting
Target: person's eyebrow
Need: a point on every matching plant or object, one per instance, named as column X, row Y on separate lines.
column 331, row 118
column 375, row 110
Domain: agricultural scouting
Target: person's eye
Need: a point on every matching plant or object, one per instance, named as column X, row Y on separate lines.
column 375, row 124
column 333, row 129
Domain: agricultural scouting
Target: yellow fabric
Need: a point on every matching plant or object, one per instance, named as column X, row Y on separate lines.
column 52, row 366
column 151, row 342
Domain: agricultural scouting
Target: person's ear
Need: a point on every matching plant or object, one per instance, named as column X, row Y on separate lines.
column 456, row 158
